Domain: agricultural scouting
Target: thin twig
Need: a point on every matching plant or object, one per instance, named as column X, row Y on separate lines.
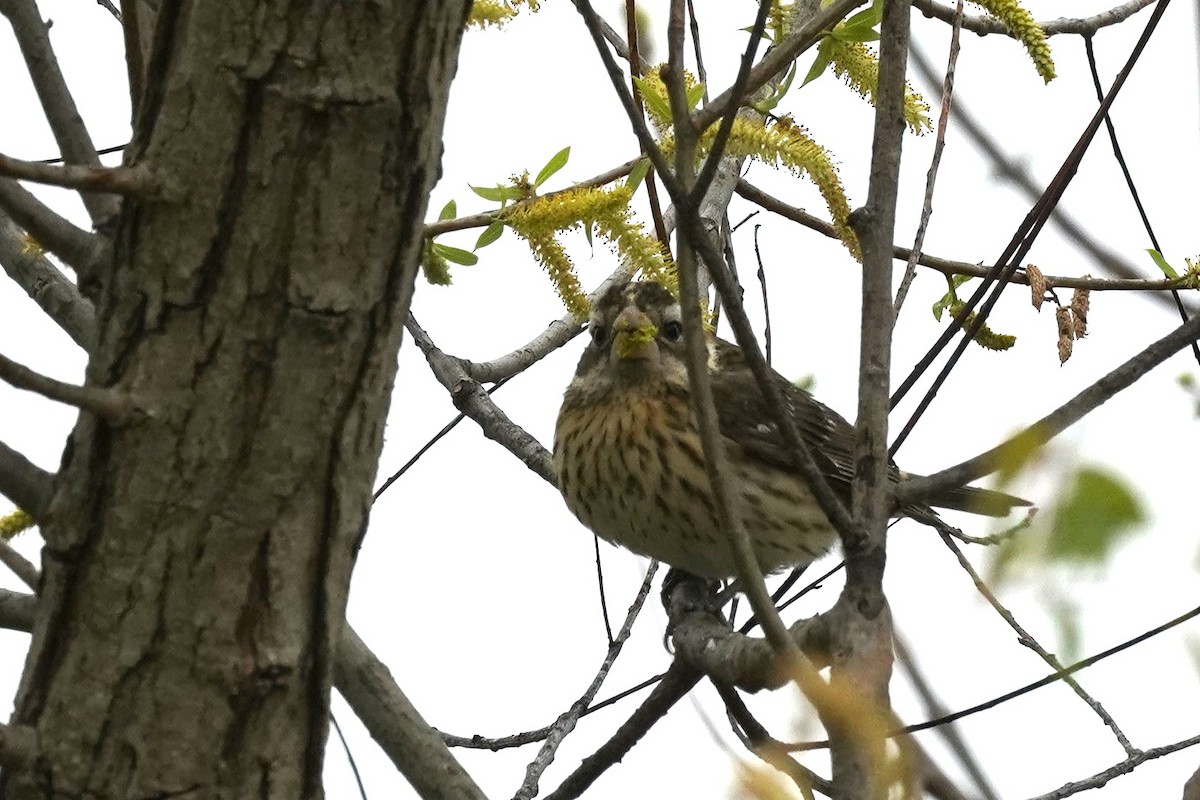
column 949, row 267
column 136, row 181
column 939, row 145
column 1133, row 192
column 678, row 681
column 1084, row 26
column 569, row 718
column 1026, row 639
column 914, row 490
column 104, row 403
column 1016, row 250
column 488, row 217
column 1118, row 769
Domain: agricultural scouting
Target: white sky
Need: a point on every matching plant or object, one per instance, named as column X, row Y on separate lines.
column 477, row 587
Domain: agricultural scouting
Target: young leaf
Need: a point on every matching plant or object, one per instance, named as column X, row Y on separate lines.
column 824, row 56
column 497, row 194
column 449, row 211
column 455, row 255
column 1167, row 269
column 1097, row 513
column 694, row 95
column 656, row 104
column 490, row 234
column 556, row 162
column 638, row 174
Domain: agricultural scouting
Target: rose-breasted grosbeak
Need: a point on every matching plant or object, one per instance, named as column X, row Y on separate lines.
column 630, row 465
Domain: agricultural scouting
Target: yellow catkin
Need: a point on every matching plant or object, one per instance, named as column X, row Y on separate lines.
column 496, row 13
column 13, row 523
column 1024, row 28
column 858, row 66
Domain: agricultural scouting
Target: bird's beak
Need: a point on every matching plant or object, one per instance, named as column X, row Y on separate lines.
column 635, row 336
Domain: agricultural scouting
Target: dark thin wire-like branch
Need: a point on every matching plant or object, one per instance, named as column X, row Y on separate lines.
column 1015, row 172
column 46, row 285
column 568, row 719
column 1085, row 26
column 1016, row 250
column 25, row 483
column 1053, row 677
column 1133, row 192
column 1026, row 639
column 916, row 489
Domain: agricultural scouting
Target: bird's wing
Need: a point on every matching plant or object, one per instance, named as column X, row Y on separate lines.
column 744, row 417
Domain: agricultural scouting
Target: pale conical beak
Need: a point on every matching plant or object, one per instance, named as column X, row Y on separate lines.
column 634, row 336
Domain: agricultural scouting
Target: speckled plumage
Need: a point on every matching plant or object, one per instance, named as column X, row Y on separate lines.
column 629, row 459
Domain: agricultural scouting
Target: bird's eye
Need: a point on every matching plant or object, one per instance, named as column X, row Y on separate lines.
column 673, row 331
column 599, row 334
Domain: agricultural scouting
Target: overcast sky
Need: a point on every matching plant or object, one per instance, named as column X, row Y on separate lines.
column 478, row 588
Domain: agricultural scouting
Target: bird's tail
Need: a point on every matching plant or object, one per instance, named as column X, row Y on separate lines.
column 974, row 500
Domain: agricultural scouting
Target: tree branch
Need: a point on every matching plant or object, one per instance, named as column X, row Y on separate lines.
column 413, row 746
column 1116, row 770
column 25, row 483
column 78, row 248
column 471, row 399
column 104, row 403
column 915, row 490
column 16, row 611
column 72, row 135
column 20, row 566
column 136, row 181
column 46, row 285
column 950, row 267
column 1087, row 26
column 569, row 718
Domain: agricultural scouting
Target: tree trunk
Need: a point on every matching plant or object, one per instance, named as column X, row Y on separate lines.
column 197, row 557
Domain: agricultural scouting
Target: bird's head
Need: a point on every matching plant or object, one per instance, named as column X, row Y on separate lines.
column 636, row 333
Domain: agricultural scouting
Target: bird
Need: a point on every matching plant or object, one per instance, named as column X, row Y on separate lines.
column 630, row 466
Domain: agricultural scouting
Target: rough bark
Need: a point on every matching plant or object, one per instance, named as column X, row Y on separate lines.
column 197, row 559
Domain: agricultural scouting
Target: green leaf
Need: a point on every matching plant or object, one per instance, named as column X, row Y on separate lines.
column 870, row 17
column 824, row 56
column 556, row 162
column 857, row 33
column 1098, row 511
column 449, row 211
column 695, row 95
column 587, row 232
column 656, row 104
column 490, row 234
column 455, row 255
column 1167, row 269
column 497, row 194
column 638, row 174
